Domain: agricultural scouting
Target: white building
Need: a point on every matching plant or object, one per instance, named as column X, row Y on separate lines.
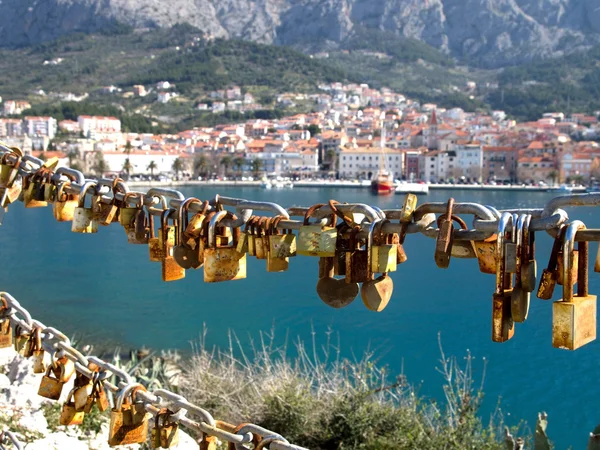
column 40, row 126
column 12, row 107
column 364, row 162
column 469, row 160
column 437, row 165
column 100, row 124
column 140, row 161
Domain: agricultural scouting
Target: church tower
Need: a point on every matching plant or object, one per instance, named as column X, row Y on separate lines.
column 432, row 132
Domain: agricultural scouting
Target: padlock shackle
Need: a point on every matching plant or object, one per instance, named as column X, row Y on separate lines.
column 124, row 393
column 170, row 193
column 569, row 255
column 74, row 175
column 503, row 223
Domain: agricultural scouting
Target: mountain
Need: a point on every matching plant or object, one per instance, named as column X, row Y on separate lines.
column 489, row 33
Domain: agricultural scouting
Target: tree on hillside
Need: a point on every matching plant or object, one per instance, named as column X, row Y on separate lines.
column 177, row 167
column 152, row 167
column 226, row 163
column 201, row 165
column 127, row 168
column 238, row 163
column 313, row 129
column 552, row 176
column 257, row 166
column 128, row 147
column 99, row 166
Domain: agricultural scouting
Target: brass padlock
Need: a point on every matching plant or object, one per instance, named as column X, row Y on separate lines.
column 384, row 252
column 98, row 396
column 165, row 433
column 83, row 390
column 250, row 237
column 184, row 255
column 107, row 213
column 126, row 212
column 376, row 294
column 171, row 271
column 83, row 218
column 155, row 242
column 128, row 420
column 503, row 327
column 281, row 246
column 574, row 316
column 223, row 263
column 408, row 208
column 528, row 262
column 560, row 269
column 461, row 249
column 443, row 242
column 6, row 332
column 69, row 414
column 549, row 275
column 64, row 206
column 140, row 232
column 520, row 298
column 510, row 249
column 9, row 168
column 37, row 352
column 57, row 374
column 597, row 262
column 261, row 240
column 23, row 342
column 317, row 240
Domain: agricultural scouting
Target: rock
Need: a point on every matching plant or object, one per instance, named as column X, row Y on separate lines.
column 186, row 442
column 34, row 421
column 496, row 32
column 57, row 441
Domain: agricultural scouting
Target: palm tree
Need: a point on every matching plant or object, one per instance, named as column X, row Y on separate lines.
column 100, row 165
column 226, row 162
column 331, row 156
column 128, row 147
column 200, row 165
column 256, row 165
column 553, row 176
column 127, row 167
column 152, row 167
column 238, row 163
column 177, row 167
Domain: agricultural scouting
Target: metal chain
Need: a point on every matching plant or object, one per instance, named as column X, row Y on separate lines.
column 9, row 437
column 187, row 414
column 485, row 218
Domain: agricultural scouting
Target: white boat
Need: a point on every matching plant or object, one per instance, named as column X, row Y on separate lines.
column 403, row 187
column 266, row 185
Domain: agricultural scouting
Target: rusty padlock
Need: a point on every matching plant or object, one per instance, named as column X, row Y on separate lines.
column 528, row 262
column 69, row 414
column 277, row 259
column 57, row 374
column 128, row 420
column 165, row 433
column 6, row 331
column 503, row 327
column 443, row 242
column 334, row 292
column 171, row 271
column 520, row 298
column 549, row 275
column 63, row 208
column 184, row 255
column 574, row 316
column 37, row 351
column 83, row 218
column 317, row 240
column 223, row 263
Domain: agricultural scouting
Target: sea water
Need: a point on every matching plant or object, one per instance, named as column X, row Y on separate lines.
column 108, row 292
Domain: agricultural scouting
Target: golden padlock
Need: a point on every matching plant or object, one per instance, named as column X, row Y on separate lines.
column 574, row 316
column 69, row 414
column 223, row 263
column 384, row 253
column 128, row 420
column 503, row 327
column 37, row 352
column 57, row 374
column 277, row 259
column 63, row 208
column 127, row 213
column 9, row 168
column 261, row 241
column 82, row 392
column 83, row 218
column 171, row 271
column 23, row 342
column 165, row 433
column 317, row 240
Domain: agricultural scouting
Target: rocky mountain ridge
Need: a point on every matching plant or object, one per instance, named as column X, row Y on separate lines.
column 490, row 33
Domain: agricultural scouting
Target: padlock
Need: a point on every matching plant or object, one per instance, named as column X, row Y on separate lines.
column 597, row 263
column 11, row 194
column 9, row 168
column 528, row 262
column 128, row 420
column 107, row 212
column 384, row 251
column 549, row 275
column 560, row 269
column 574, row 316
column 6, row 332
column 184, row 255
column 83, row 220
column 358, row 258
column 171, row 271
column 503, row 327
column 31, row 186
column 63, row 208
column 408, row 208
column 461, row 249
column 83, row 390
column 261, row 240
column 165, row 433
column 281, row 245
column 207, row 442
column 250, row 237
column 223, row 263
column 399, row 239
column 57, row 374
column 155, row 241
column 127, row 213
column 334, row 292
column 341, row 247
column 278, row 248
column 317, row 240
column 376, row 294
column 23, row 342
column 37, row 352
column 69, row 414
column 98, row 396
column 140, row 232
column 510, row 249
column 443, row 242
column 520, row 298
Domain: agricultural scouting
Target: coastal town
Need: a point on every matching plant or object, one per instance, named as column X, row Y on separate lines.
column 350, row 128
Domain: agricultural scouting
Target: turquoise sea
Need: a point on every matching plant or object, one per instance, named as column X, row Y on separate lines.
column 103, row 288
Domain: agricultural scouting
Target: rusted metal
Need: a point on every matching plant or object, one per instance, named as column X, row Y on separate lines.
column 377, row 293
column 443, row 243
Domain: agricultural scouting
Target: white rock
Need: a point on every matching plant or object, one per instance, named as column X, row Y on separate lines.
column 34, row 421
column 186, row 442
column 4, row 382
column 57, row 441
column 6, row 356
